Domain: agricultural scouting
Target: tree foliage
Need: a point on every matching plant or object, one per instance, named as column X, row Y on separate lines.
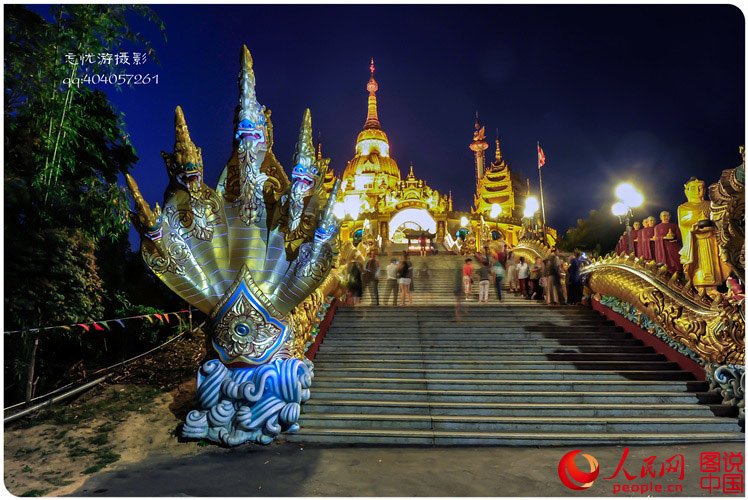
column 65, row 147
column 64, row 144
column 598, row 233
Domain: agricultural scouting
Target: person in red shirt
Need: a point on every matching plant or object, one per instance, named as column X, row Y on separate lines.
column 467, row 277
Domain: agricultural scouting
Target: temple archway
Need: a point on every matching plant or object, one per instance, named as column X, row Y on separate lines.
column 417, row 219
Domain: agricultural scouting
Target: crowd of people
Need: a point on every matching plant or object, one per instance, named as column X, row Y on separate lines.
column 399, row 280
column 554, row 280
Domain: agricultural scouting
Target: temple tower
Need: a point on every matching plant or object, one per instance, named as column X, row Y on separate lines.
column 479, row 145
column 372, row 172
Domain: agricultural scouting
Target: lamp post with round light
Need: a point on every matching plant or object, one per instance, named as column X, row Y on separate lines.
column 629, row 198
column 531, row 207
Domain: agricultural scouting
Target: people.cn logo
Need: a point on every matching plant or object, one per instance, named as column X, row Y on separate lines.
column 568, row 469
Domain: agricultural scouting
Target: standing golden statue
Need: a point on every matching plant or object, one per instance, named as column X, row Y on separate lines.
column 700, row 254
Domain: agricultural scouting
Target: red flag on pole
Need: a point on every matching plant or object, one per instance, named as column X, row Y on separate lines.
column 541, row 157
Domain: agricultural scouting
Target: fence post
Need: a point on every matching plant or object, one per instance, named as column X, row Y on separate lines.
column 190, row 308
column 32, row 363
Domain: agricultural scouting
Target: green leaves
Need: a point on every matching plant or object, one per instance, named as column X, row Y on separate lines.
column 64, row 152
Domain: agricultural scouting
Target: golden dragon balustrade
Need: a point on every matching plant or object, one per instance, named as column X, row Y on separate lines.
column 712, row 328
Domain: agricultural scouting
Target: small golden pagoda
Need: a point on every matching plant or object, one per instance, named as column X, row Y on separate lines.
column 498, row 185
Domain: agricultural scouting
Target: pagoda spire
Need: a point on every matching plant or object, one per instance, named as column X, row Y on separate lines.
column 498, row 149
column 479, row 146
column 372, row 119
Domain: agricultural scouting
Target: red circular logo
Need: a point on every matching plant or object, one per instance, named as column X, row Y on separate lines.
column 568, row 469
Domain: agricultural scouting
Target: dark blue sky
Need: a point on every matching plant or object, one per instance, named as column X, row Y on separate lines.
column 650, row 94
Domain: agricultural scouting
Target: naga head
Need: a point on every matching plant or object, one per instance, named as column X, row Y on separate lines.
column 185, row 164
column 148, row 223
column 306, row 174
column 251, row 126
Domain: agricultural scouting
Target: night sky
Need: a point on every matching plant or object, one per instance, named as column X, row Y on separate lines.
column 648, row 94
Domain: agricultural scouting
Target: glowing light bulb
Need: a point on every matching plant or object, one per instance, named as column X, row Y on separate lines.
column 495, row 210
column 628, row 194
column 619, row 209
column 464, row 221
column 338, row 210
column 531, row 206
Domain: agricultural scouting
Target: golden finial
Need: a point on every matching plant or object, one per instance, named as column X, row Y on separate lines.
column 480, row 132
column 372, row 118
column 372, row 86
column 319, row 146
column 305, row 147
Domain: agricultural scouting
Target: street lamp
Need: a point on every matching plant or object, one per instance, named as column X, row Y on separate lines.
column 628, row 198
column 531, row 207
column 495, row 210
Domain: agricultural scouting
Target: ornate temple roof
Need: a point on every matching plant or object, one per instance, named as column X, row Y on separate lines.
column 372, row 147
column 497, row 184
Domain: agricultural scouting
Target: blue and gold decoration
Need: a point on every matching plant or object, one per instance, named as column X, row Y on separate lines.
column 245, row 254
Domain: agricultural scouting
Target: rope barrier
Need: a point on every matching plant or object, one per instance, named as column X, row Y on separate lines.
column 96, row 324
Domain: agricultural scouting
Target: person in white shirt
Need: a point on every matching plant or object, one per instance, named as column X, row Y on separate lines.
column 523, row 274
column 392, row 286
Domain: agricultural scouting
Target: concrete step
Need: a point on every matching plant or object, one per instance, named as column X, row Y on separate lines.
column 501, row 309
column 319, row 405
column 483, row 423
column 384, row 320
column 387, row 364
column 498, row 374
column 449, row 384
column 516, row 396
column 499, row 356
column 342, row 342
column 457, row 351
column 454, row 332
column 447, row 438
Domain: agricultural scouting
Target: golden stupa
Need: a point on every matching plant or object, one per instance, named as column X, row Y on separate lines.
column 380, row 206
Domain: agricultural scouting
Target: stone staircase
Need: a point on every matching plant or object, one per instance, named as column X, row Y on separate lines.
column 509, row 373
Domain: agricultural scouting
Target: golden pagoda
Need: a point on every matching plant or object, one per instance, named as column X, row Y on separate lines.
column 372, row 188
column 372, row 171
column 376, row 200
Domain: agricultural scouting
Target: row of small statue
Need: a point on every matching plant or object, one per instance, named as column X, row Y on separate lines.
column 689, row 246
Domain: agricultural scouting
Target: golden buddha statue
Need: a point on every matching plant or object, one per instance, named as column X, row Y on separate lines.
column 700, row 254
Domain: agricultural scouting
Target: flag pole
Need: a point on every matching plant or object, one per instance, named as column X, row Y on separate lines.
column 542, row 203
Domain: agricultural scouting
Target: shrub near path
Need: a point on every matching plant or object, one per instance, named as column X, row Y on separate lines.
column 133, row 415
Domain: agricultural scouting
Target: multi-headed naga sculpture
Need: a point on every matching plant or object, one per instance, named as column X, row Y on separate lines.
column 246, row 254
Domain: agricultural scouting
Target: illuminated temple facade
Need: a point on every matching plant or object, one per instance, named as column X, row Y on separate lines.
column 383, row 206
